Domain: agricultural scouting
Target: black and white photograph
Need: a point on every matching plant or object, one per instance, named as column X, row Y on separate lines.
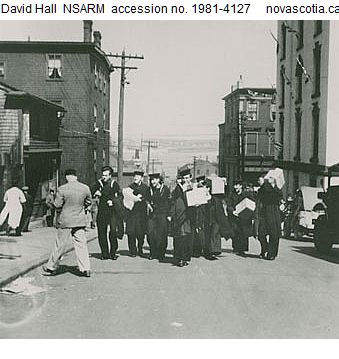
column 169, row 179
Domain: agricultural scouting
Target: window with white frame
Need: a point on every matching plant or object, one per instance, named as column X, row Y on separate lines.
column 2, row 69
column 95, row 115
column 54, row 66
column 252, row 111
column 96, row 80
column 251, row 143
column 273, row 112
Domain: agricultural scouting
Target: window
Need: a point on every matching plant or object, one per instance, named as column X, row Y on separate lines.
column 207, row 172
column 95, row 115
column 251, row 143
column 300, row 34
column 54, row 67
column 297, row 135
column 105, row 124
column 103, row 156
column 315, row 134
column 2, row 69
column 271, row 146
column 281, row 135
column 282, row 87
column 198, row 172
column 95, row 159
column 318, row 27
column 299, row 80
column 316, row 69
column 241, row 106
column 252, row 111
column 96, row 76
column 100, row 81
column 283, row 40
column 273, row 112
column 105, row 85
column 296, row 182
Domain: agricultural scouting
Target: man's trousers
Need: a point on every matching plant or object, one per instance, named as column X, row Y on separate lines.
column 80, row 246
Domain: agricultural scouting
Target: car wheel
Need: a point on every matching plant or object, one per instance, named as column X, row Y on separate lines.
column 322, row 240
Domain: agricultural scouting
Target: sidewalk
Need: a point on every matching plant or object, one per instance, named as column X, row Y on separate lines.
column 19, row 255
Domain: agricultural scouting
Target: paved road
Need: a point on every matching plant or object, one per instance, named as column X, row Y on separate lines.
column 296, row 296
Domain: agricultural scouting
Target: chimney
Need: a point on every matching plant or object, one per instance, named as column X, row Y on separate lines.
column 88, row 30
column 97, row 38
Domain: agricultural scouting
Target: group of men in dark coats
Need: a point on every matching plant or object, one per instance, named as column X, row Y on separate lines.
column 196, row 230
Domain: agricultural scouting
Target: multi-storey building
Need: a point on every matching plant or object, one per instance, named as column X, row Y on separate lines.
column 29, row 143
column 75, row 75
column 307, row 85
column 246, row 138
column 201, row 167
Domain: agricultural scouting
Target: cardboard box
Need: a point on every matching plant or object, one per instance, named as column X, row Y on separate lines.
column 197, row 197
column 217, row 185
column 244, row 206
column 278, row 174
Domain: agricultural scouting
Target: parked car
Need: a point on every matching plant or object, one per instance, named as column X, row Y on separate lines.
column 309, row 208
column 326, row 232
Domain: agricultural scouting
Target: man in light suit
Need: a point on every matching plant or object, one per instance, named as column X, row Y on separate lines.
column 71, row 198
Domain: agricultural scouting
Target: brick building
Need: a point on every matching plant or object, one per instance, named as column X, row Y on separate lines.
column 75, row 75
column 307, row 100
column 246, row 138
column 29, row 144
column 201, row 167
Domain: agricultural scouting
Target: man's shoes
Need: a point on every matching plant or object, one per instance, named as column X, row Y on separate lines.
column 114, row 257
column 85, row 273
column 270, row 258
column 133, row 255
column 185, row 263
column 161, row 258
column 151, row 258
column 180, row 264
column 104, row 257
column 49, row 272
column 211, row 258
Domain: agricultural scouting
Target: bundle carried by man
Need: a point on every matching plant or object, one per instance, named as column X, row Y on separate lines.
column 244, row 208
column 130, row 198
column 278, row 174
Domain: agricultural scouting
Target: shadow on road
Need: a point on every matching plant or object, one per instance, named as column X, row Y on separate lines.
column 62, row 269
column 332, row 257
column 300, row 239
column 9, row 256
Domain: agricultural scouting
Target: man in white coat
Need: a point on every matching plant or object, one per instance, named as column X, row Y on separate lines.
column 71, row 198
column 13, row 198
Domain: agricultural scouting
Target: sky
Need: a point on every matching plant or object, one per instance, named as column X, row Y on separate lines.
column 188, row 67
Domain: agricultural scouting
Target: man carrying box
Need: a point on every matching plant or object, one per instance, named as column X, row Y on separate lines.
column 244, row 205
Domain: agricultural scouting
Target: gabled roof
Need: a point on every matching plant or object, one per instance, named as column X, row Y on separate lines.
column 13, row 94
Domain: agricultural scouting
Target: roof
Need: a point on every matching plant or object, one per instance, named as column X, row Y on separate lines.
column 55, row 46
column 14, row 94
column 252, row 92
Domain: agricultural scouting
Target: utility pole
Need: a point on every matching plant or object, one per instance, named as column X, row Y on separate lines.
column 194, row 166
column 149, row 144
column 155, row 162
column 123, row 82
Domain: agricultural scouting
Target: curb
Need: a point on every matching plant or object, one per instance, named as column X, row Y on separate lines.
column 35, row 264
